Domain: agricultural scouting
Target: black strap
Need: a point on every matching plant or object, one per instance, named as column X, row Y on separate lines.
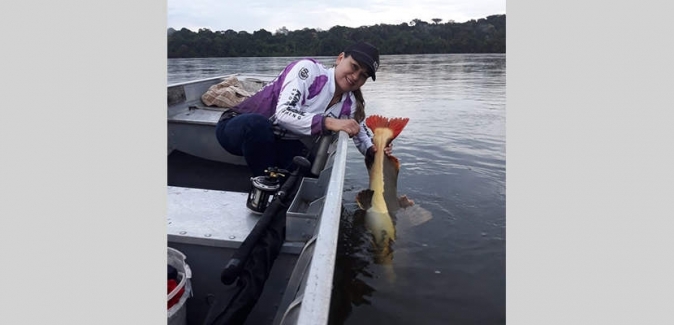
column 227, row 114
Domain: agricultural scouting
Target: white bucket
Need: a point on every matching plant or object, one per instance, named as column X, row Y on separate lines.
column 177, row 314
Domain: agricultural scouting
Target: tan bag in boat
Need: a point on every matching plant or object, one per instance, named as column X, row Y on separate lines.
column 228, row 93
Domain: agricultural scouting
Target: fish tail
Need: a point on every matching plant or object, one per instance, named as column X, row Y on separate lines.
column 396, row 124
column 376, row 121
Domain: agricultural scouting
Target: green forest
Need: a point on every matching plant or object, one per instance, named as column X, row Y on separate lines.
column 485, row 35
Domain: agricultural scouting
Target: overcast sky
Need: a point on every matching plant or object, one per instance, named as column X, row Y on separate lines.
column 253, row 15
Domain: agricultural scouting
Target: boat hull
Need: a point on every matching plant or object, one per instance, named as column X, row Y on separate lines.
column 207, row 219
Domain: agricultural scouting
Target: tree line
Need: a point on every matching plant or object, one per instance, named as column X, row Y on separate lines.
column 485, row 35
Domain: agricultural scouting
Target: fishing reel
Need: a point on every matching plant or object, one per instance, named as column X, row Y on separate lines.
column 264, row 188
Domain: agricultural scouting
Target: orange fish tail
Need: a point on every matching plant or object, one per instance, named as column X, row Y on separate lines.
column 396, row 124
column 376, row 121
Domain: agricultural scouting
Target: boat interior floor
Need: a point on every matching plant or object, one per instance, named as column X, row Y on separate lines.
column 185, row 170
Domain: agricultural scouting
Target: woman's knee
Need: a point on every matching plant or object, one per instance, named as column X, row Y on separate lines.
column 227, row 140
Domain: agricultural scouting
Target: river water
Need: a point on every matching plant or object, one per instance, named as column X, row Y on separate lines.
column 450, row 269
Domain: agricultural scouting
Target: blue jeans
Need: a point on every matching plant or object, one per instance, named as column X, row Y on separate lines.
column 251, row 136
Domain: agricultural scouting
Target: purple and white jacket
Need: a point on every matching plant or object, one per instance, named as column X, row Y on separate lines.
column 296, row 103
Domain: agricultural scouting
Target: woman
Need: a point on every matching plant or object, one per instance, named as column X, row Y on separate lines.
column 306, row 100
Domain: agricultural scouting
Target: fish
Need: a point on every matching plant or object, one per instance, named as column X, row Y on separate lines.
column 380, row 202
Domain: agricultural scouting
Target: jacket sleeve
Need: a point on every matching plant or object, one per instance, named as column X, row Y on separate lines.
column 362, row 140
column 291, row 112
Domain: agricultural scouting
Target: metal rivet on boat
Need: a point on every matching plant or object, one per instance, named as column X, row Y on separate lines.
column 183, row 232
column 232, row 237
column 207, row 235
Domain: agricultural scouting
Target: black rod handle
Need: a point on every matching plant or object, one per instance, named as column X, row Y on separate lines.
column 240, row 256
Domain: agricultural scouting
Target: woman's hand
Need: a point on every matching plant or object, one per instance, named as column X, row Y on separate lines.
column 387, row 150
column 350, row 126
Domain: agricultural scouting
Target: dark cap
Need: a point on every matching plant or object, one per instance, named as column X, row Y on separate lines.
column 365, row 53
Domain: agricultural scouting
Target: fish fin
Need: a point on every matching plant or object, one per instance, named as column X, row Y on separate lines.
column 411, row 216
column 394, row 161
column 405, row 202
column 364, row 199
column 369, row 159
column 396, row 124
column 376, row 121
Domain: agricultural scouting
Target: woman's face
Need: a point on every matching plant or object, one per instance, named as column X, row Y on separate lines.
column 349, row 74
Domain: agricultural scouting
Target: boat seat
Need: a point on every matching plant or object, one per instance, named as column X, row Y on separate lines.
column 212, row 218
column 197, row 113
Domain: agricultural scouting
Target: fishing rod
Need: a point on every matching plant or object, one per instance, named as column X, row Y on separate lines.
column 288, row 190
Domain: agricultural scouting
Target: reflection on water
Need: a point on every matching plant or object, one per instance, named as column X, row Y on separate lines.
column 354, row 255
column 450, row 270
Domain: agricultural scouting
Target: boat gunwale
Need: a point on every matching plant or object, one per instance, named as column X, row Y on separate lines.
column 315, row 307
column 262, row 77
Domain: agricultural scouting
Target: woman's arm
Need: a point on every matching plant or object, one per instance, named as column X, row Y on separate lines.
column 301, row 84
